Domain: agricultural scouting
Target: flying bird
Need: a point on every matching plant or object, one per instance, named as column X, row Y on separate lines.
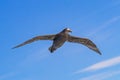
column 60, row 38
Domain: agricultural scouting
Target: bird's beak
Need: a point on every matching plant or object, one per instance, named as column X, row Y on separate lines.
column 70, row 31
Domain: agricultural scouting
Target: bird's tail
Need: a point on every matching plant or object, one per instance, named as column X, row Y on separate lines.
column 51, row 49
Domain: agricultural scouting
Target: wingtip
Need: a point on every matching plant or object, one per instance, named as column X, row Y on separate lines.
column 13, row 48
column 99, row 53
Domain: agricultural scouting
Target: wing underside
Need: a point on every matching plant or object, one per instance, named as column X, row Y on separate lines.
column 45, row 37
column 85, row 42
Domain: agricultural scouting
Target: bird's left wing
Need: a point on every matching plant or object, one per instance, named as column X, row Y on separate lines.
column 45, row 37
column 85, row 42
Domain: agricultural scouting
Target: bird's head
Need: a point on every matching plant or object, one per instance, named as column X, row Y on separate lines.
column 67, row 30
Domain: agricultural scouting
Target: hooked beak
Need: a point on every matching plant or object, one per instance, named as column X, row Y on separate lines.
column 70, row 31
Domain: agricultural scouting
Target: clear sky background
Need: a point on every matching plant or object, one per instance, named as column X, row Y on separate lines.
column 98, row 20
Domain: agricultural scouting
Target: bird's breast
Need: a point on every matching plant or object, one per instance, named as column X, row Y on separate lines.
column 60, row 40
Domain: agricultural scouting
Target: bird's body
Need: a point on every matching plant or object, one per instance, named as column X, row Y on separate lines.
column 58, row 41
column 60, row 38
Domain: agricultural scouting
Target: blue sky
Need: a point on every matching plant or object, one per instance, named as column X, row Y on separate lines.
column 98, row 20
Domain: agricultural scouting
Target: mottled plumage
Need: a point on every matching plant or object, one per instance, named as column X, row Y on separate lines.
column 60, row 38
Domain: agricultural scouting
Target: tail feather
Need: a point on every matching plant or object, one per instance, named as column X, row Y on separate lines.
column 51, row 49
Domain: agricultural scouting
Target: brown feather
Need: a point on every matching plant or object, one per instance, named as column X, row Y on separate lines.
column 45, row 37
column 85, row 42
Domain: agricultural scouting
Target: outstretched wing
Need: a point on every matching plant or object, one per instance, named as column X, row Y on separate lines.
column 45, row 37
column 85, row 42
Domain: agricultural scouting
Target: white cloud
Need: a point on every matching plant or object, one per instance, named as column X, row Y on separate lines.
column 102, row 76
column 102, row 65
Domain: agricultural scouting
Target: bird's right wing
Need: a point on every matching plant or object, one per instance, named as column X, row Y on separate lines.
column 45, row 37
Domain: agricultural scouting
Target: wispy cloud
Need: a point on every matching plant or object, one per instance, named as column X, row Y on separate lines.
column 101, row 65
column 102, row 76
column 103, row 26
column 29, row 60
column 35, row 57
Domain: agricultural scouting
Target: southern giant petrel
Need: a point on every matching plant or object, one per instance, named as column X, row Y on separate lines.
column 60, row 38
